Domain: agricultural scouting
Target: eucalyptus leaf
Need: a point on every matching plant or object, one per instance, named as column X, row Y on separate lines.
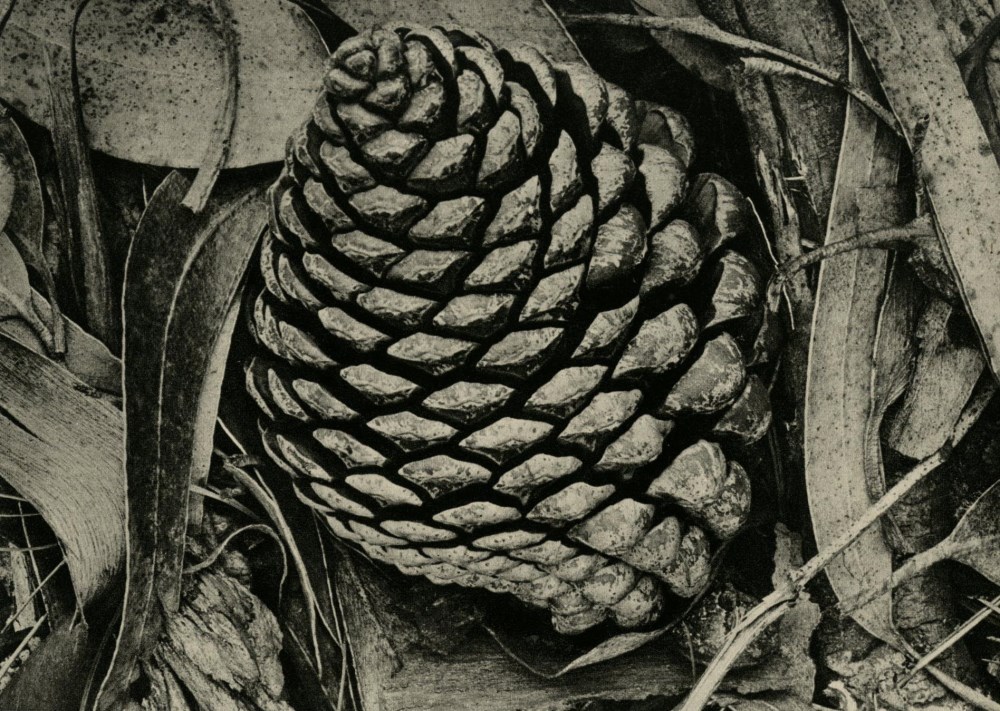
column 161, row 65
column 23, row 221
column 840, row 400
column 61, row 451
column 182, row 284
column 15, row 290
column 914, row 62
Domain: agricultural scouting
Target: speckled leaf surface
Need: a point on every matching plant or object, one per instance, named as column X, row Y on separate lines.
column 914, row 62
column 152, row 75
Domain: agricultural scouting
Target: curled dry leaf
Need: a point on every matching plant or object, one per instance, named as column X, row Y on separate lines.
column 182, row 286
column 89, row 252
column 698, row 56
column 506, row 22
column 61, row 451
column 83, row 355
column 23, row 217
column 15, row 291
column 160, row 64
column 943, row 379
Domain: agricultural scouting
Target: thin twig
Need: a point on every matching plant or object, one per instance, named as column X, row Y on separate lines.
column 902, row 236
column 209, row 560
column 989, row 607
column 773, row 67
column 703, row 29
column 780, row 600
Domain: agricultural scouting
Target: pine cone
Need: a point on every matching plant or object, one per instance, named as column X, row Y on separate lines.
column 502, row 335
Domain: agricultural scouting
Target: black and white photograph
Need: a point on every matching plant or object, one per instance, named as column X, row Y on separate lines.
column 521, row 355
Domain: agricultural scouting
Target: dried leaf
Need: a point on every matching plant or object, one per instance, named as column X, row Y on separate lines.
column 698, row 56
column 161, row 65
column 839, row 397
column 15, row 291
column 83, row 355
column 894, row 358
column 912, row 57
column 795, row 631
column 182, row 285
column 76, row 176
column 505, row 22
column 945, row 374
column 61, row 451
column 24, row 224
column 974, row 541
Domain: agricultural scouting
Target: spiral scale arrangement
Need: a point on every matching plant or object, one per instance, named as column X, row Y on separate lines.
column 503, row 333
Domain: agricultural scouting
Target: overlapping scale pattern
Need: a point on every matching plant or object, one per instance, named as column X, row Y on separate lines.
column 503, row 333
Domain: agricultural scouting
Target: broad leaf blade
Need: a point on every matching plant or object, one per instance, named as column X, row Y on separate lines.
column 160, row 64
column 912, row 58
column 61, row 452
column 839, row 397
column 182, row 283
column 505, row 22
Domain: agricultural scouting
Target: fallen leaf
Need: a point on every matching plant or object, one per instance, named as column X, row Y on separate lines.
column 225, row 120
column 15, row 291
column 839, row 398
column 83, row 355
column 945, row 374
column 89, row 252
column 914, row 62
column 699, row 57
column 796, row 628
column 505, row 22
column 61, row 451
column 160, row 64
column 893, row 357
column 25, row 224
column 182, row 286
column 975, row 538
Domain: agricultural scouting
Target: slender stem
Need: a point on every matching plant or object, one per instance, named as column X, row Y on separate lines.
column 907, row 235
column 989, row 607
